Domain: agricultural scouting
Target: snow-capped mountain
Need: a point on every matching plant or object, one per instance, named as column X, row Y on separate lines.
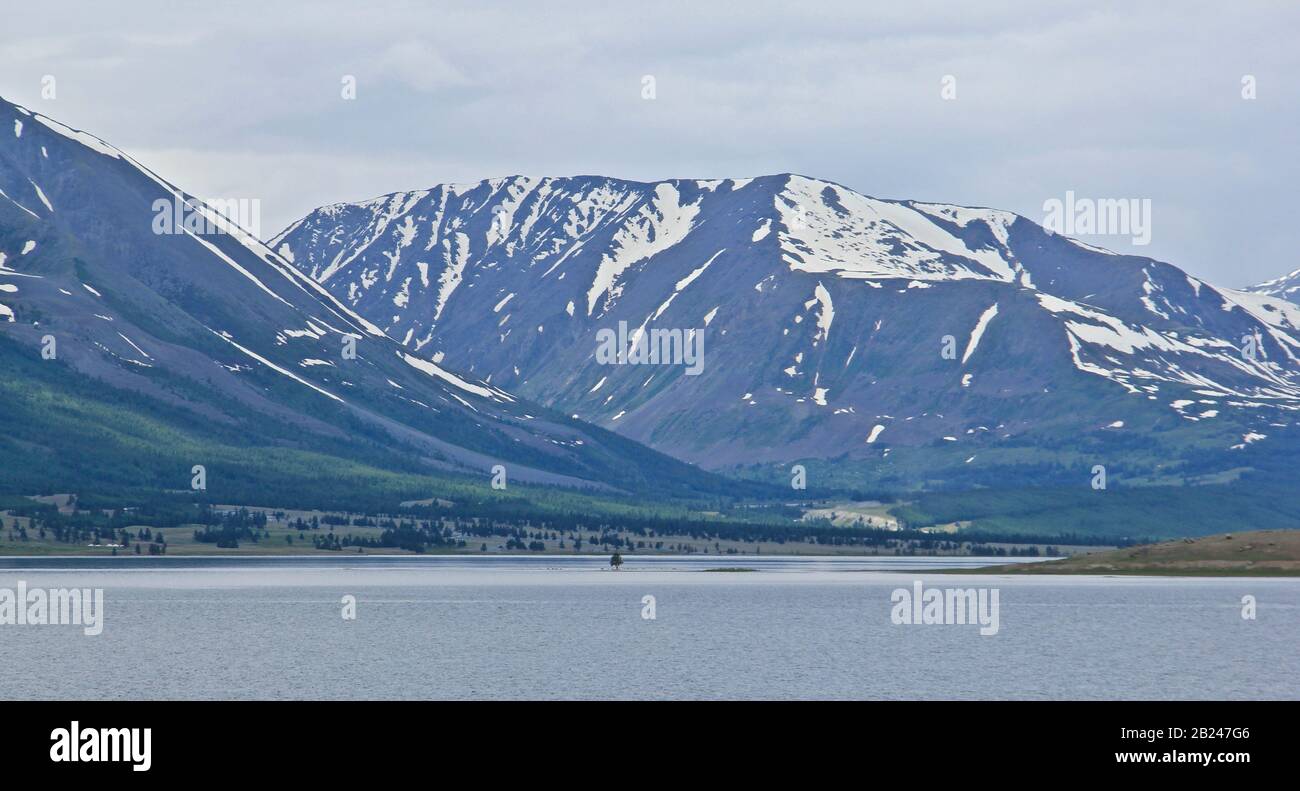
column 896, row 338
column 1286, row 287
column 144, row 335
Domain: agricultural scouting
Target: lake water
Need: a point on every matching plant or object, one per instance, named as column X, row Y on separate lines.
column 548, row 627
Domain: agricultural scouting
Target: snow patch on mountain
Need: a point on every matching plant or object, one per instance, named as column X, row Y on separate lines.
column 662, row 223
column 978, row 332
column 830, row 229
column 483, row 391
column 1286, row 287
column 283, row 371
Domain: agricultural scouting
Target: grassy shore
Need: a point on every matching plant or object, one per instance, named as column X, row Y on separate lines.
column 1263, row 553
column 283, row 535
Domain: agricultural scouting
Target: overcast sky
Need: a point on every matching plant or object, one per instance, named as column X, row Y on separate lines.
column 243, row 99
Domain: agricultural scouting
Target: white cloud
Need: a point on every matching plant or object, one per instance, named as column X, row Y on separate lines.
column 1105, row 99
column 419, row 66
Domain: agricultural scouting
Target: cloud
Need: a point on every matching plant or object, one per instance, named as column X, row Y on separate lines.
column 1105, row 99
column 419, row 66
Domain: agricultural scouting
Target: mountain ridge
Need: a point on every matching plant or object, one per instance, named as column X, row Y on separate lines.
column 672, row 254
column 217, row 332
column 1285, row 287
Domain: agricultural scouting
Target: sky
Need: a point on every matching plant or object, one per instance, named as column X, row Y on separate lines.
column 1001, row 104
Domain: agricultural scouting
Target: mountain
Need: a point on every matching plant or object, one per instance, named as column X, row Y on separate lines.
column 141, row 334
column 825, row 316
column 1286, row 287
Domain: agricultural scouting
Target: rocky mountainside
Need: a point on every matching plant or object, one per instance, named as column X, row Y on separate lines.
column 1286, row 287
column 898, row 342
column 142, row 334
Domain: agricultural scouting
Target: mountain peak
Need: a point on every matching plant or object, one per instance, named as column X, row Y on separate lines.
column 822, row 312
column 1286, row 287
column 197, row 341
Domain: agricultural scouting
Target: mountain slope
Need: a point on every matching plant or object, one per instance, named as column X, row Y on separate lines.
column 1286, row 287
column 199, row 346
column 824, row 315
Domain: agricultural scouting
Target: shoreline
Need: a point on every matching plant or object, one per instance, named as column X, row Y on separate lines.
column 1258, row 553
column 835, row 564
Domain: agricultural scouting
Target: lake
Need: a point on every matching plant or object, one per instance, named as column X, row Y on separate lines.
column 508, row 627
